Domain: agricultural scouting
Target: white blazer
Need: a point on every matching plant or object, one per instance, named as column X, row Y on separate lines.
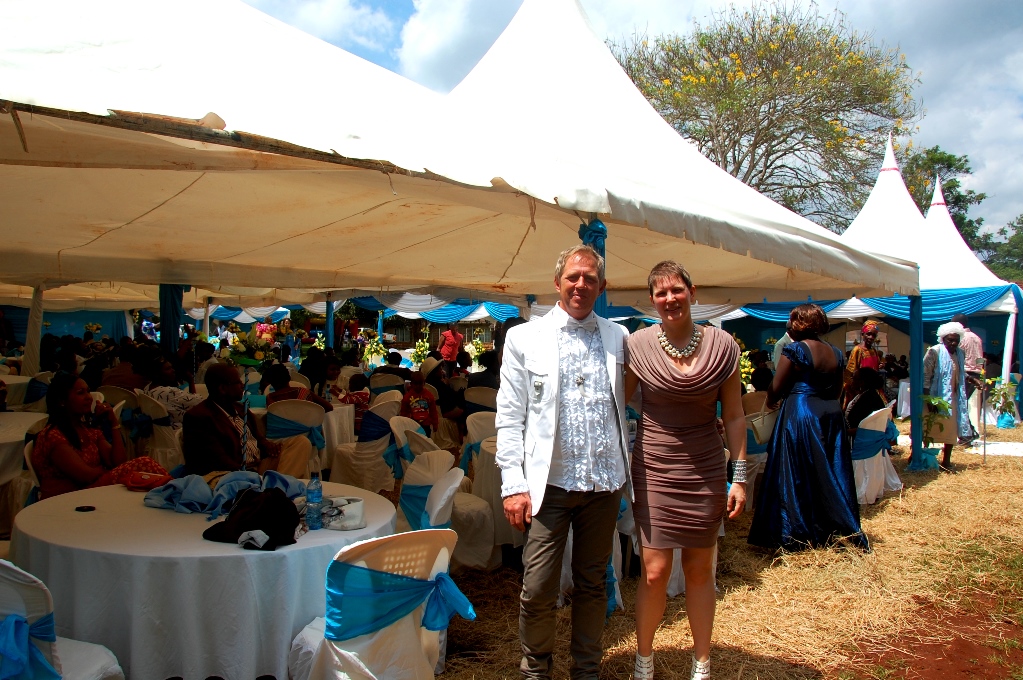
column 527, row 403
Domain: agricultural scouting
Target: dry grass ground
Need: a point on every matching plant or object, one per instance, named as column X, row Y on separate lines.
column 944, row 542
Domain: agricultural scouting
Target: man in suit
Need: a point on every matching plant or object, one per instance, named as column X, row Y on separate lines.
column 564, row 460
column 214, row 432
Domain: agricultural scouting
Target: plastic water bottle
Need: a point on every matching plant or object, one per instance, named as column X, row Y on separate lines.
column 314, row 503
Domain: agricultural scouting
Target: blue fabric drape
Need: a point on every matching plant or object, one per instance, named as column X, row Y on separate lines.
column 386, row 388
column 278, row 427
column 413, row 503
column 501, row 312
column 595, row 234
column 449, row 313
column 35, row 391
column 941, row 305
column 362, row 601
column 142, row 425
column 171, row 315
column 869, row 443
column 20, row 659
column 192, row 494
column 778, row 312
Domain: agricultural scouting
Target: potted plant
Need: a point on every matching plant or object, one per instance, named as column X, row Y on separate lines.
column 938, row 425
column 1002, row 399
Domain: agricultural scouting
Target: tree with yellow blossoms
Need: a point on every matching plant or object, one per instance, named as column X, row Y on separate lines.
column 795, row 104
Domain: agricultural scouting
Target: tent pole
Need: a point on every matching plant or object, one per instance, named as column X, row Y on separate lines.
column 916, row 374
column 206, row 317
column 328, row 329
column 33, row 336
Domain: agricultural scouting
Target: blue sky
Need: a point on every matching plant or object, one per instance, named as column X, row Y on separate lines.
column 969, row 56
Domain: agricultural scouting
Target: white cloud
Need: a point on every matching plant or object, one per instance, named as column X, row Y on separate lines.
column 347, row 23
column 443, row 39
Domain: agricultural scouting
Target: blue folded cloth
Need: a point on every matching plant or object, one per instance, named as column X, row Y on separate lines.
column 228, row 488
column 186, row 495
column 292, row 488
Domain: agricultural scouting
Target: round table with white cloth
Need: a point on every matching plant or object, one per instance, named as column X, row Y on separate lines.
column 14, row 426
column 144, row 583
column 17, row 388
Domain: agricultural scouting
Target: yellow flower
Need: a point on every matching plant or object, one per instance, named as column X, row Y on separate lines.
column 258, row 356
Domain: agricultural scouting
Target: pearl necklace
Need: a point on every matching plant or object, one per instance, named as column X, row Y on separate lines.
column 687, row 351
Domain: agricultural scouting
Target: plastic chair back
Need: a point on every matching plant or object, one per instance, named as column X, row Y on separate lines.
column 253, row 378
column 28, row 464
column 44, row 377
column 165, row 445
column 481, row 425
column 419, row 444
column 428, row 468
column 484, row 396
column 308, row 413
column 442, row 496
column 878, row 420
column 24, row 594
column 386, row 409
column 399, row 425
column 114, row 394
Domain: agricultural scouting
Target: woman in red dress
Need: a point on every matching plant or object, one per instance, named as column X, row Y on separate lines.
column 71, row 454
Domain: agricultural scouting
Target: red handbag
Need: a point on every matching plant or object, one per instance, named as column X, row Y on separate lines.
column 145, row 481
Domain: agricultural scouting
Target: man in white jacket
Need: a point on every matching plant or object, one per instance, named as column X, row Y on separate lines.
column 564, row 459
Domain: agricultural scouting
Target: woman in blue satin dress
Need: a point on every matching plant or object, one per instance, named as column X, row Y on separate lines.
column 809, row 493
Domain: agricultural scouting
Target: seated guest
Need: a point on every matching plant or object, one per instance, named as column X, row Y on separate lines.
column 204, row 357
column 217, row 438
column 314, row 368
column 490, row 376
column 463, row 362
column 279, row 378
column 418, row 404
column 394, row 367
column 762, row 375
column 333, row 382
column 357, row 394
column 123, row 375
column 71, row 452
column 164, row 387
column 868, row 396
column 450, row 402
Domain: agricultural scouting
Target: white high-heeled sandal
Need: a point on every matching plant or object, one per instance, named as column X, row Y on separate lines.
column 644, row 667
column 701, row 670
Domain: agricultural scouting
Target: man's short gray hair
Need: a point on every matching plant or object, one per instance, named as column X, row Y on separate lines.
column 581, row 249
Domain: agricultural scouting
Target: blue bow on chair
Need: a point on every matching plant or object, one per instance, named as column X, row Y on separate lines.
column 143, row 425
column 20, row 659
column 472, row 407
column 469, row 451
column 868, row 443
column 373, row 428
column 362, row 601
column 386, row 388
column 413, row 503
column 279, row 427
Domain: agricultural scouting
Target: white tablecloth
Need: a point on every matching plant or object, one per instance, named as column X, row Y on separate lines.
column 17, row 387
column 903, row 404
column 144, row 583
column 13, row 427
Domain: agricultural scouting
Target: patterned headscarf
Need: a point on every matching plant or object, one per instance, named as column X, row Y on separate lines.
column 869, row 327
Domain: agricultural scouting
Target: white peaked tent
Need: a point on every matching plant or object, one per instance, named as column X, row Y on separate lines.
column 145, row 198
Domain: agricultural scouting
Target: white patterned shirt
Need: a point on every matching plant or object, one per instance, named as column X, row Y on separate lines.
column 587, row 452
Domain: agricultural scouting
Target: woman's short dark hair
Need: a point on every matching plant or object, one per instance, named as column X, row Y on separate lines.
column 668, row 270
column 807, row 320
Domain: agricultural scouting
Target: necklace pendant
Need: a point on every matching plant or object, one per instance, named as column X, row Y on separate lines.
column 579, row 381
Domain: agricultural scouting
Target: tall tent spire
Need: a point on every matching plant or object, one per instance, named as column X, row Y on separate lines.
column 889, row 157
column 939, row 195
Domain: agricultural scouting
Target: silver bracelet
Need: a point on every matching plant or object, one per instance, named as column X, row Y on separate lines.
column 738, row 471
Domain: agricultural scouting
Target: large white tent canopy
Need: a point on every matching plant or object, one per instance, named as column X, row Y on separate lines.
column 152, row 200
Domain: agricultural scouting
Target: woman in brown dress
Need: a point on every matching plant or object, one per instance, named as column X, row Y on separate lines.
column 678, row 466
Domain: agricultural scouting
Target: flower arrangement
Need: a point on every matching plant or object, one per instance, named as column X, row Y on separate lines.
column 476, row 348
column 320, row 342
column 771, row 341
column 373, row 351
column 745, row 368
column 739, row 342
column 233, row 328
column 419, row 354
column 250, row 349
column 93, row 327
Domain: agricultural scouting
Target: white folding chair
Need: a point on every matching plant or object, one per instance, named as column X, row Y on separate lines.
column 307, row 413
column 484, row 396
column 164, row 446
column 399, row 426
column 876, row 475
column 44, row 377
column 24, row 595
column 479, row 426
column 346, row 373
column 391, row 397
column 402, row 651
column 362, row 464
column 387, row 407
column 418, row 443
column 426, row 470
column 432, row 390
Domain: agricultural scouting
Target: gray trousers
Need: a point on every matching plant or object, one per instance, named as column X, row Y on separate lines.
column 592, row 515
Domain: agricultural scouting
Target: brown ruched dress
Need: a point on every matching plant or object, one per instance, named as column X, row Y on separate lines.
column 678, row 465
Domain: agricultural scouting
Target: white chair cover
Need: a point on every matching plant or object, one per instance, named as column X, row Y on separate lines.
column 484, row 396
column 458, row 383
column 419, row 444
column 402, row 651
column 386, row 380
column 164, row 446
column 473, row 520
column 28, row 464
column 299, row 379
column 487, row 485
column 387, row 407
column 429, row 467
column 566, row 570
column 308, row 413
column 442, row 496
column 447, row 436
column 346, row 373
column 24, row 594
column 362, row 464
column 432, row 390
column 399, row 426
column 876, row 475
column 479, row 426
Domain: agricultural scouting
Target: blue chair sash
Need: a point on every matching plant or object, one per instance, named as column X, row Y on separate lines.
column 394, row 454
column 386, row 388
column 609, row 583
column 144, row 424
column 362, row 601
column 20, row 659
column 373, row 427
column 413, row 503
column 35, row 391
column 469, row 451
column 279, row 427
column 869, row 443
